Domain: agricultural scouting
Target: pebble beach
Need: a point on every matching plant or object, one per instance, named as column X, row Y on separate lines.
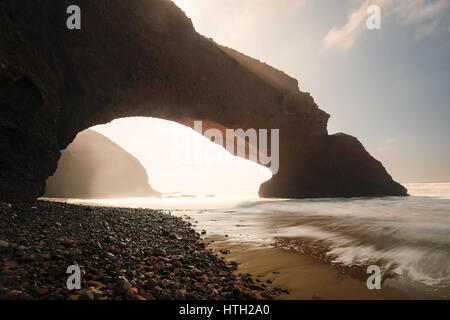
column 123, row 254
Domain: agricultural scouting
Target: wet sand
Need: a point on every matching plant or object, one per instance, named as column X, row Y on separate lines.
column 304, row 277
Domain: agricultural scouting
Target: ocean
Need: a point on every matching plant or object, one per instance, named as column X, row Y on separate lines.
column 408, row 237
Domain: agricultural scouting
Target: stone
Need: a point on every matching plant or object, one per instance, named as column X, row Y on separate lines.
column 22, row 248
column 5, row 206
column 27, row 258
column 159, row 252
column 88, row 295
column 67, row 242
column 151, row 283
column 232, row 91
column 10, row 264
column 4, row 246
column 122, row 286
column 55, row 272
column 41, row 291
column 13, row 294
column 96, row 284
column 165, row 283
column 111, row 256
column 44, row 256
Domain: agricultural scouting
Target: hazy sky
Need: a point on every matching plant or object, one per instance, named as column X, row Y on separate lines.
column 388, row 87
column 178, row 159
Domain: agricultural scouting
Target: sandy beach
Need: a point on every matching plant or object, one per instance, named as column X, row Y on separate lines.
column 304, row 277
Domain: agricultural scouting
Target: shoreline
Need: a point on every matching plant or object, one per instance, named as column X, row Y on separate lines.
column 269, row 272
column 304, row 277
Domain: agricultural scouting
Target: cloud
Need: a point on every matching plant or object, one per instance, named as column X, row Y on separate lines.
column 346, row 36
column 425, row 15
column 422, row 15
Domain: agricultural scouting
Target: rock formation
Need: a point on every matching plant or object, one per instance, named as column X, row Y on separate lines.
column 144, row 58
column 94, row 167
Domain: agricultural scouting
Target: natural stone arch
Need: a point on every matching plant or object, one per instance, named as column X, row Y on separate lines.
column 144, row 58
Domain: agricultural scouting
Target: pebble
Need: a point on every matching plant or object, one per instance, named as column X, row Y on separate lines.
column 5, row 206
column 4, row 246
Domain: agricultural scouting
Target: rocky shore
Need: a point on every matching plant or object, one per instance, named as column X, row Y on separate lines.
column 123, row 253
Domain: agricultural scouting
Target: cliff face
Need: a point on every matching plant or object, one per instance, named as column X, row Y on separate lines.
column 94, row 167
column 144, row 58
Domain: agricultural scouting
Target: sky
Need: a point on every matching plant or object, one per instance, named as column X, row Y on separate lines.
column 179, row 160
column 389, row 87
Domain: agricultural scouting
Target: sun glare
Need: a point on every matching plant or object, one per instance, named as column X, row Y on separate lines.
column 180, row 160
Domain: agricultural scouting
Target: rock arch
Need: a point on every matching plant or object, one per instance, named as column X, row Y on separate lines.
column 144, row 58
